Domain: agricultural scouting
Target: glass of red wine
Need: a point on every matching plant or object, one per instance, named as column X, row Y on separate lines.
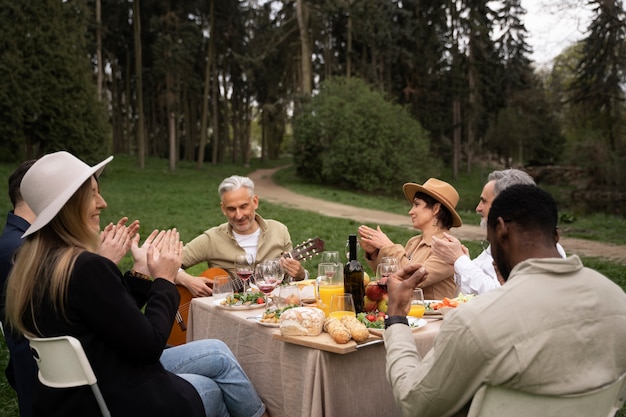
column 383, row 272
column 244, row 268
column 267, row 276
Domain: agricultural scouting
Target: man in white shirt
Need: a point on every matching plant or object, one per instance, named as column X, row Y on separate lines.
column 479, row 275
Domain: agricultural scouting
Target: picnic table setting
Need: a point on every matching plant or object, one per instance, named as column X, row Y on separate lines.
column 308, row 355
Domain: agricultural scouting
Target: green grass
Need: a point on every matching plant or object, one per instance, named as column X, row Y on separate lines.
column 187, row 199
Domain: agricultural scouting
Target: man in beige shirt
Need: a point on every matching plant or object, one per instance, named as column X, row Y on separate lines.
column 554, row 328
column 244, row 232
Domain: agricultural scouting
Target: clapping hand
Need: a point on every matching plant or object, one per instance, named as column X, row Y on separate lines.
column 371, row 240
column 165, row 257
column 140, row 253
column 115, row 239
column 449, row 249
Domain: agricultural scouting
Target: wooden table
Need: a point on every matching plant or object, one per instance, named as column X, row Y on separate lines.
column 298, row 381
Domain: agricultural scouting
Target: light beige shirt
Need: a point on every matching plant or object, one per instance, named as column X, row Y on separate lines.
column 554, row 328
column 217, row 246
column 440, row 281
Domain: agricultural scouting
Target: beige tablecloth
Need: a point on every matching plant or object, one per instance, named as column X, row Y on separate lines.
column 297, row 381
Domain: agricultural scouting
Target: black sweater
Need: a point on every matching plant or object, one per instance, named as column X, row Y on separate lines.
column 123, row 345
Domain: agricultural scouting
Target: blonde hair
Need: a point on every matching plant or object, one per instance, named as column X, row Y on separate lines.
column 45, row 262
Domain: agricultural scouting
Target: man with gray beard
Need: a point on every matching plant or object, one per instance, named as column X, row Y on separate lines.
column 479, row 275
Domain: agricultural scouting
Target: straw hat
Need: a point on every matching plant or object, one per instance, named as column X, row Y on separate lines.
column 440, row 191
column 52, row 181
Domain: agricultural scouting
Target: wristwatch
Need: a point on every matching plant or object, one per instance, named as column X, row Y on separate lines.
column 391, row 320
column 137, row 274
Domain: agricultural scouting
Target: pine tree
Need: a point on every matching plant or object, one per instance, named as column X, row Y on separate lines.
column 48, row 97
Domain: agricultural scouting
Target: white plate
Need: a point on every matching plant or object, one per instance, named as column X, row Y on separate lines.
column 257, row 319
column 414, row 323
column 218, row 303
column 432, row 312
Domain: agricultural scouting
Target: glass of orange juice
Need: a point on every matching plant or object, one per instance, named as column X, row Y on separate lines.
column 342, row 305
column 417, row 303
column 329, row 282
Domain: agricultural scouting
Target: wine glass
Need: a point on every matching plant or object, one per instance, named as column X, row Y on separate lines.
column 383, row 272
column 330, row 257
column 288, row 295
column 222, row 287
column 244, row 268
column 389, row 260
column 267, row 277
column 342, row 305
column 417, row 308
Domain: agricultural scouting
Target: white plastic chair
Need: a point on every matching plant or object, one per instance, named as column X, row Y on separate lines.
column 62, row 363
column 492, row 401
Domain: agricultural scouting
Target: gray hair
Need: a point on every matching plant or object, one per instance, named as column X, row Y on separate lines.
column 234, row 183
column 508, row 177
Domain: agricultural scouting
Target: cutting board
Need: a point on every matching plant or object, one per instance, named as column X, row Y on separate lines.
column 325, row 342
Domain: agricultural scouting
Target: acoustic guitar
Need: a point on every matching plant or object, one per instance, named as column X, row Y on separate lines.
column 178, row 336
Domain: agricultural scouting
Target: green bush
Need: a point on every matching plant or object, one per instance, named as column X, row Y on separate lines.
column 349, row 135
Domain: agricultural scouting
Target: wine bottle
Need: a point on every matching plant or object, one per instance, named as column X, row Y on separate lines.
column 353, row 276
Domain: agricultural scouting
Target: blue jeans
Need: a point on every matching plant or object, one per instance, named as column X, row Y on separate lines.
column 213, row 370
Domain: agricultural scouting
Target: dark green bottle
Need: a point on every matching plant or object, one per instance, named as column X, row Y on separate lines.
column 353, row 276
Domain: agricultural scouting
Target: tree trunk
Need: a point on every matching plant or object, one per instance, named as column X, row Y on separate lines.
column 127, row 103
column 456, row 147
column 471, row 109
column 141, row 144
column 100, row 74
column 171, row 123
column 349, row 47
column 216, row 119
column 205, row 91
column 305, row 49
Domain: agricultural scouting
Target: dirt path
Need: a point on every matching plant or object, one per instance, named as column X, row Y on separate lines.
column 273, row 193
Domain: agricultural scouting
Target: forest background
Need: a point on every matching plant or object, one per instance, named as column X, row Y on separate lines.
column 407, row 88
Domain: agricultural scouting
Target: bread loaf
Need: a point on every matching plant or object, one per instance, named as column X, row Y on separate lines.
column 337, row 331
column 357, row 330
column 302, row 321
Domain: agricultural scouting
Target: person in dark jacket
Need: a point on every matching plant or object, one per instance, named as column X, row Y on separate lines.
column 60, row 285
column 21, row 370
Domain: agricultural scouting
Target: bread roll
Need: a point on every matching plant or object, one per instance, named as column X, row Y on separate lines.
column 302, row 321
column 357, row 330
column 337, row 331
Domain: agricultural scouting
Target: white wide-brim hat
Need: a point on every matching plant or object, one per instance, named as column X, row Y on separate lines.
column 52, row 181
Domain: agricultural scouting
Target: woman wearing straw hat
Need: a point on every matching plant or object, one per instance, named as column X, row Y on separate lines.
column 433, row 212
column 59, row 285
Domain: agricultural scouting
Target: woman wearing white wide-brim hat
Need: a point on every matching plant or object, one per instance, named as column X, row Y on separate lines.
column 433, row 212
column 59, row 285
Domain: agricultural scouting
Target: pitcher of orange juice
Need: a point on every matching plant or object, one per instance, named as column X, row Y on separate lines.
column 329, row 282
